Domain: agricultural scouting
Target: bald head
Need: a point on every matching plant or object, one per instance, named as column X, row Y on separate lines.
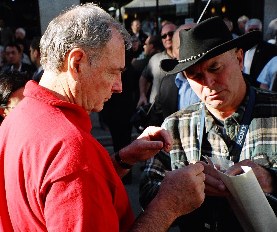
column 176, row 38
column 253, row 24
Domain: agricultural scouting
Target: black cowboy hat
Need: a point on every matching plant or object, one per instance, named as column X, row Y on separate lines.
column 206, row 40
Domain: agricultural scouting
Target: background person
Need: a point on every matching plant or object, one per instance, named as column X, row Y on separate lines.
column 35, row 58
column 259, row 55
column 21, row 38
column 13, row 57
column 152, row 75
column 242, row 20
column 268, row 75
column 272, row 32
column 139, row 34
column 175, row 92
column 11, row 91
column 151, row 46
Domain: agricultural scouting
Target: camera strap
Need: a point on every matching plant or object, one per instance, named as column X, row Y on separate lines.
column 246, row 120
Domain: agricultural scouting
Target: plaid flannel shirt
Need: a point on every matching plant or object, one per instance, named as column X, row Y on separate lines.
column 260, row 143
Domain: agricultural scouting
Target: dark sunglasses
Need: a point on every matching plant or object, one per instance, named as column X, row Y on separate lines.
column 170, row 34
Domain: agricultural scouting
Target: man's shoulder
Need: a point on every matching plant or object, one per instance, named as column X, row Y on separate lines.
column 168, row 79
column 266, row 97
column 159, row 56
column 273, row 61
column 266, row 103
column 185, row 114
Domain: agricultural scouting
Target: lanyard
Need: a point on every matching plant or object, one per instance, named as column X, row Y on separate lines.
column 240, row 139
column 247, row 117
column 202, row 127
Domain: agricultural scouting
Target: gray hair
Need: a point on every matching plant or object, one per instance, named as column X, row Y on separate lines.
column 272, row 29
column 243, row 18
column 21, row 30
column 84, row 26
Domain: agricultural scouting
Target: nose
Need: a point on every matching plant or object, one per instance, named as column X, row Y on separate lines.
column 208, row 80
column 117, row 86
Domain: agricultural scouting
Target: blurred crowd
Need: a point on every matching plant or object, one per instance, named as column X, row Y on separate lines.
column 17, row 53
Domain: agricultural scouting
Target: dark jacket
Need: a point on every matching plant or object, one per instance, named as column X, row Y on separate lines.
column 264, row 52
column 26, row 68
column 166, row 101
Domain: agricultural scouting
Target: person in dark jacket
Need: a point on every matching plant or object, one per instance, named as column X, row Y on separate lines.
column 259, row 55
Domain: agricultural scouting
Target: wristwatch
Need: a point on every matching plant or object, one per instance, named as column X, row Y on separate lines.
column 121, row 163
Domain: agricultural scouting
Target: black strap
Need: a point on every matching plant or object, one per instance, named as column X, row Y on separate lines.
column 240, row 139
column 120, row 162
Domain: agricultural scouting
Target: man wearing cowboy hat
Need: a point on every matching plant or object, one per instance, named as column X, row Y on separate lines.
column 233, row 121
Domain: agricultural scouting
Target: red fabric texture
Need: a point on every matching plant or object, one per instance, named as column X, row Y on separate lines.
column 54, row 175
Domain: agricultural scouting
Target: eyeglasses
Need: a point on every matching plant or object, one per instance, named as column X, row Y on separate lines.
column 170, row 34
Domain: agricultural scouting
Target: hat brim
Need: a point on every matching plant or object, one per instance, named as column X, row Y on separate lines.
column 245, row 42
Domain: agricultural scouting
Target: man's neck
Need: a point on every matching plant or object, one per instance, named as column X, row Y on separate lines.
column 57, row 84
column 221, row 115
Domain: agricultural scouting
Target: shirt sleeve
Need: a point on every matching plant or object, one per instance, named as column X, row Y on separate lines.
column 268, row 73
column 152, row 177
column 264, row 77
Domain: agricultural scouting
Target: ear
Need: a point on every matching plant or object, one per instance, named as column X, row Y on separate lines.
column 152, row 46
column 75, row 58
column 240, row 54
column 36, row 53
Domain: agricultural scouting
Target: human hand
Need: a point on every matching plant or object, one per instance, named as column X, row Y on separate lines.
column 214, row 186
column 182, row 190
column 142, row 101
column 263, row 176
column 149, row 143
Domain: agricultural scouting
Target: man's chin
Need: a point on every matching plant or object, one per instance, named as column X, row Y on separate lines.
column 97, row 108
column 215, row 104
